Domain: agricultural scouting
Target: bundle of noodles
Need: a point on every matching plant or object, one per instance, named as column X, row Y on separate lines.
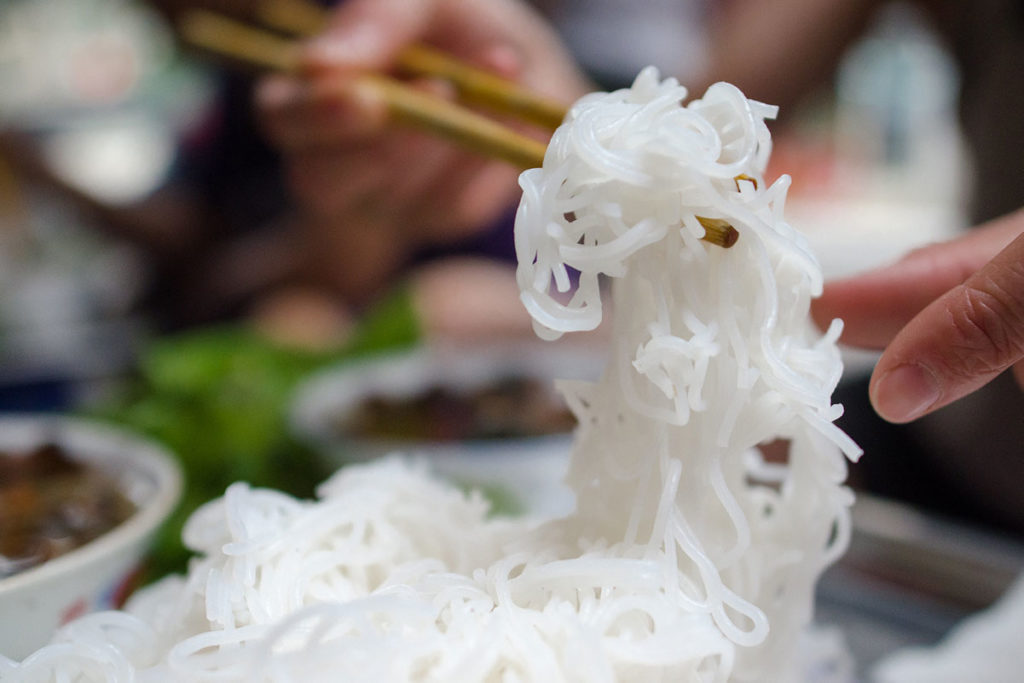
column 689, row 557
column 713, row 353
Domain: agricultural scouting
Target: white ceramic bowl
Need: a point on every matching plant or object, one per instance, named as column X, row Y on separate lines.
column 528, row 470
column 95, row 576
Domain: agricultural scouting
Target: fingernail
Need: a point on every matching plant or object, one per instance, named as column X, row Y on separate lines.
column 906, row 392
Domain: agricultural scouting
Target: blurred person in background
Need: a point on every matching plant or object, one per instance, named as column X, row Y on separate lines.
column 297, row 260
column 950, row 317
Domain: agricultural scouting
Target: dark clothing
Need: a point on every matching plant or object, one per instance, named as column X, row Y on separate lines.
column 987, row 38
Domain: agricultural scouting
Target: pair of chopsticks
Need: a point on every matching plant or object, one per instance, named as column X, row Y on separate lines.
column 474, row 86
column 253, row 45
column 276, row 48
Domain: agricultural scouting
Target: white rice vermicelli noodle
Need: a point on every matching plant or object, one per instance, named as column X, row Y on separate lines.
column 689, row 558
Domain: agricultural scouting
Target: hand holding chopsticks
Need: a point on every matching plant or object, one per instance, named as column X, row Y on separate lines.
column 475, row 86
column 267, row 50
column 406, row 104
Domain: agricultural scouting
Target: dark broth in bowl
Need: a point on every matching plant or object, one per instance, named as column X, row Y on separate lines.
column 508, row 408
column 51, row 504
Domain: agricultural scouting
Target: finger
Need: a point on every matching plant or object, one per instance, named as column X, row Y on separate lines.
column 876, row 305
column 375, row 178
column 511, row 39
column 327, row 182
column 413, row 183
column 328, row 111
column 367, row 34
column 956, row 344
column 469, row 196
column 482, row 35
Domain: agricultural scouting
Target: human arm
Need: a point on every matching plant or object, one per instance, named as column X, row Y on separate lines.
column 950, row 318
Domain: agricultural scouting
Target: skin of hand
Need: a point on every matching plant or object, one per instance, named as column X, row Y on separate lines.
column 372, row 191
column 949, row 316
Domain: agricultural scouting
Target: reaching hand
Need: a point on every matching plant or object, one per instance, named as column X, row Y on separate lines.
column 950, row 317
column 372, row 191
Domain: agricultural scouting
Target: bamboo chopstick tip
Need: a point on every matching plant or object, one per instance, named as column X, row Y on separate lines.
column 730, row 236
column 719, row 232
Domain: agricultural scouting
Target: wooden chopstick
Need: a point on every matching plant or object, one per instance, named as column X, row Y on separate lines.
column 473, row 86
column 250, row 45
column 254, row 46
column 12, row 196
column 238, row 41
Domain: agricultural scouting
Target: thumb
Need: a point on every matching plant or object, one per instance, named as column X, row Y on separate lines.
column 956, row 344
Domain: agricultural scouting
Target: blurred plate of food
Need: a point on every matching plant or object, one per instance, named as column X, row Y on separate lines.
column 485, row 416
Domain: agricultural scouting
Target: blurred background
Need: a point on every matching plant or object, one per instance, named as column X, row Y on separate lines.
column 148, row 273
column 139, row 198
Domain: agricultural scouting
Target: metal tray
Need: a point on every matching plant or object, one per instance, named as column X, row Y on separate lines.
column 909, row 577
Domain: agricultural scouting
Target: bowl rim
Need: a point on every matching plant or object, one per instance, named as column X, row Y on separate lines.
column 147, row 456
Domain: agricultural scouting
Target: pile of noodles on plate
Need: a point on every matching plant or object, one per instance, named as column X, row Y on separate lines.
column 689, row 556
